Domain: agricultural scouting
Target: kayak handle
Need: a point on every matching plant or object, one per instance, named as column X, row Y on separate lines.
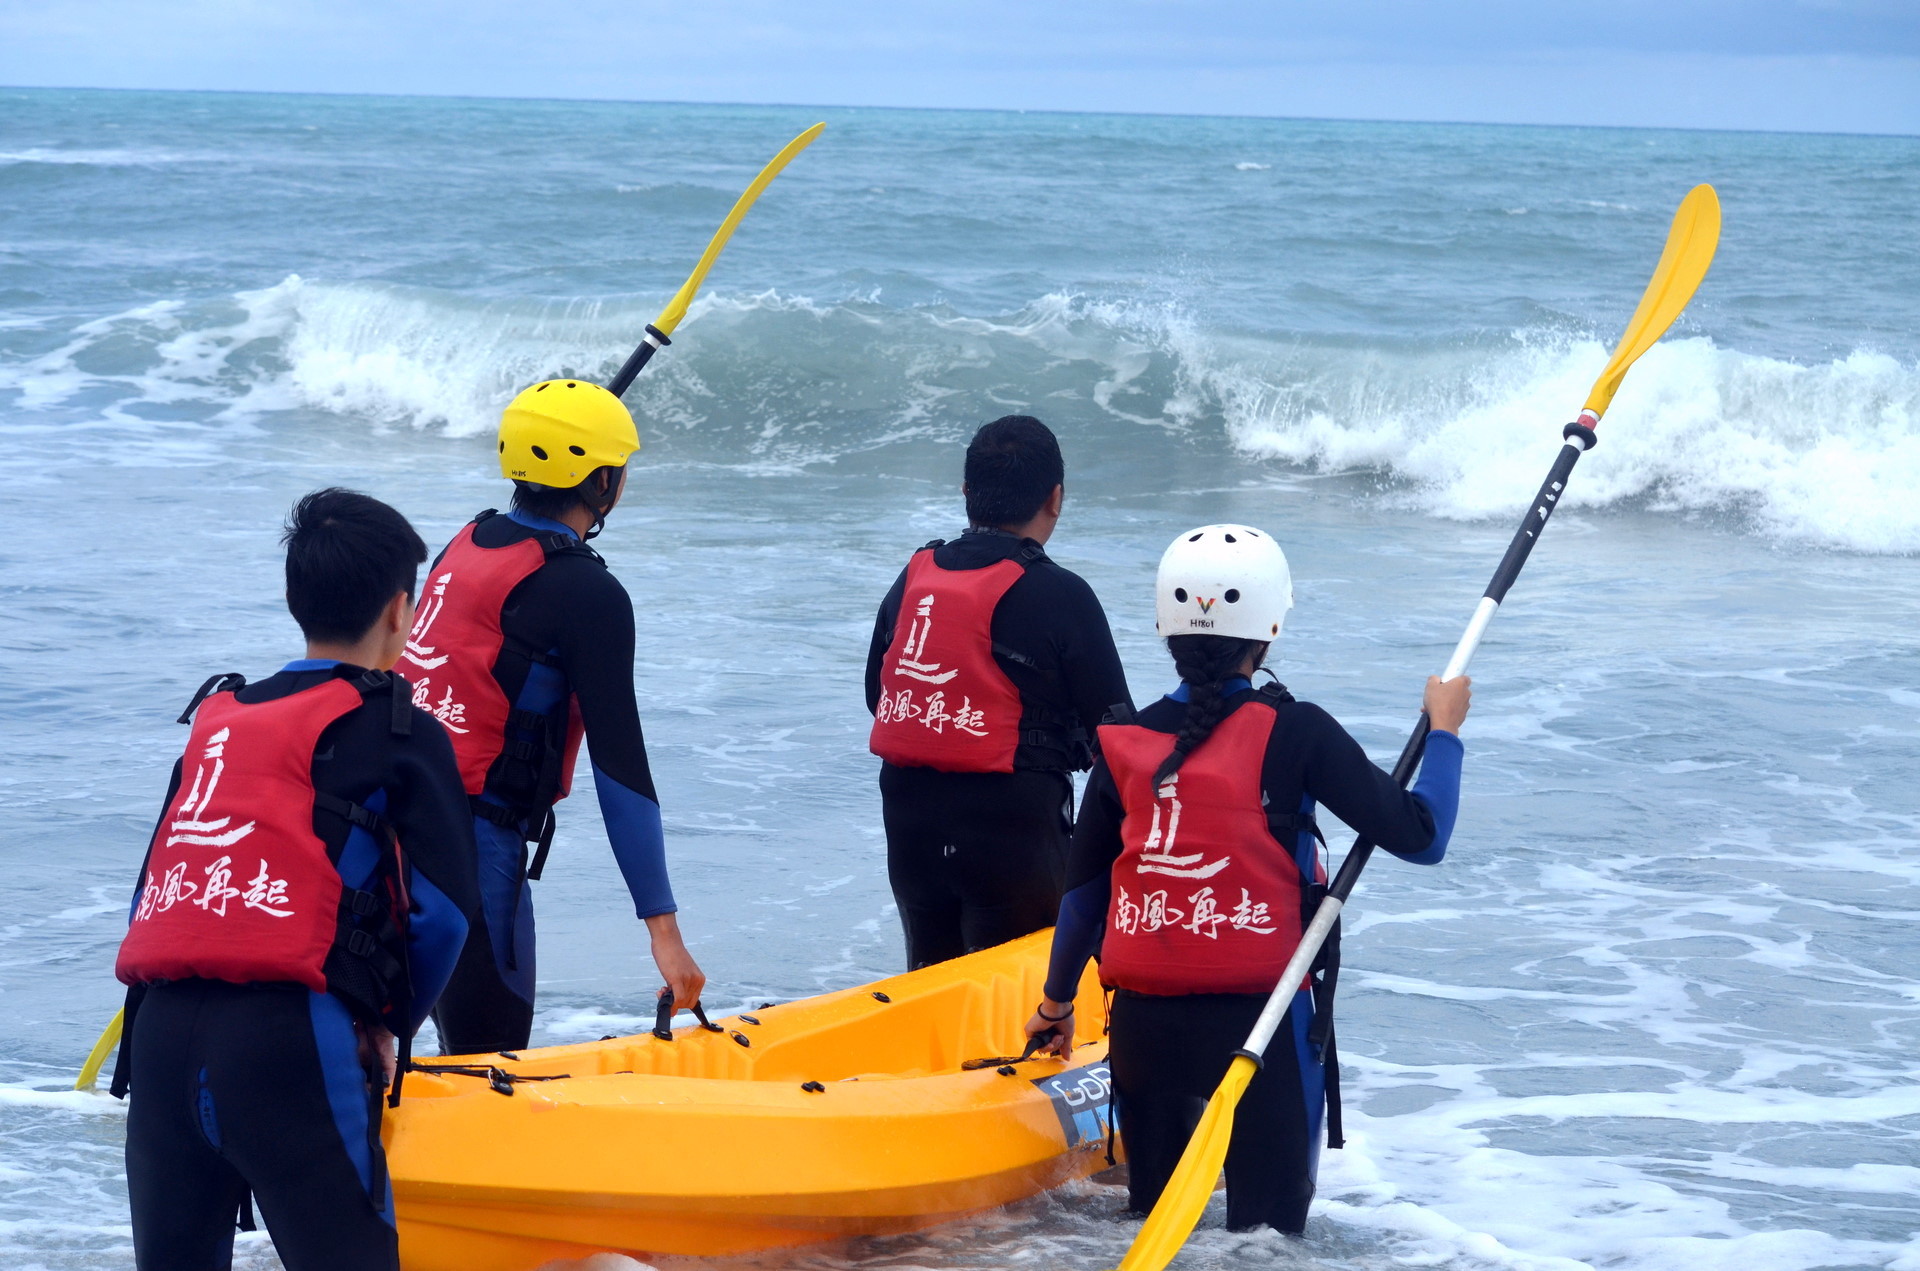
column 663, row 1017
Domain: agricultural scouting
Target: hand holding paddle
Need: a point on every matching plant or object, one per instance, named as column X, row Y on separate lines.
column 1447, row 702
column 1690, row 246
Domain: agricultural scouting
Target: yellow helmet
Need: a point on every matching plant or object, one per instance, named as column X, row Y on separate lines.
column 558, row 431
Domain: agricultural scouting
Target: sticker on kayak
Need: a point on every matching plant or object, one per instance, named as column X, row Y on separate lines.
column 1082, row 1098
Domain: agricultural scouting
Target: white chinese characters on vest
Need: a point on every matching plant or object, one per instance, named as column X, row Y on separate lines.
column 194, row 827
column 1151, row 912
column 427, row 658
column 931, row 711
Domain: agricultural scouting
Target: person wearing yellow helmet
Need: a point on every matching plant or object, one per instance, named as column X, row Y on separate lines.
column 524, row 643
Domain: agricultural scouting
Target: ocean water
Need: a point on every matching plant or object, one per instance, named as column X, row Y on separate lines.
column 1657, row 1011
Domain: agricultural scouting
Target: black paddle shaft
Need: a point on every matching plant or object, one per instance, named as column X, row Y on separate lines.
column 1580, row 438
column 655, row 340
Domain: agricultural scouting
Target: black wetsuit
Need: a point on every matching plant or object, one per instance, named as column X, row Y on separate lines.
column 977, row 858
column 576, row 611
column 1169, row 1052
column 261, row 1088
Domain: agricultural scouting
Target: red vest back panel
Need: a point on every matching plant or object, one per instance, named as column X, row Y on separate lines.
column 455, row 642
column 1205, row 899
column 238, row 886
column 944, row 702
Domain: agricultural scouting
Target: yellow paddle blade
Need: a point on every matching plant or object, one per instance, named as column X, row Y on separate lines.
column 1689, row 250
column 677, row 307
column 1185, row 1199
column 90, row 1071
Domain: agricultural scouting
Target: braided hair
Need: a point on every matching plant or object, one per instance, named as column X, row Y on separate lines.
column 1205, row 664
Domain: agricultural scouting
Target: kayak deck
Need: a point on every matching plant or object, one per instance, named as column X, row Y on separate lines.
column 852, row 1113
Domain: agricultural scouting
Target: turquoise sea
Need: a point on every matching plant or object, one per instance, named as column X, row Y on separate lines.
column 1657, row 1012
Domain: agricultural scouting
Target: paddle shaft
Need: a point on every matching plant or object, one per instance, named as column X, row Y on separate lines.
column 1580, row 438
column 651, row 343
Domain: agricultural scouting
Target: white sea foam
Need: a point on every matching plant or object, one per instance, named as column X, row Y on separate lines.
column 90, row 1103
column 100, row 158
column 1822, row 454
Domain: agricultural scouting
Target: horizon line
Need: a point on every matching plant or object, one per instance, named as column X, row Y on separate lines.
column 981, row 110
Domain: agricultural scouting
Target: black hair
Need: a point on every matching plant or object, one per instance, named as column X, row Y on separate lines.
column 1013, row 464
column 347, row 554
column 595, row 493
column 1205, row 664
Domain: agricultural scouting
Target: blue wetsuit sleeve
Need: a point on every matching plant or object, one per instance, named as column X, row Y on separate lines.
column 639, row 844
column 1083, row 912
column 436, row 932
column 1439, row 788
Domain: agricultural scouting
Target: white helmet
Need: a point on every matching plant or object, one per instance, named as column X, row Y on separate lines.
column 1224, row 580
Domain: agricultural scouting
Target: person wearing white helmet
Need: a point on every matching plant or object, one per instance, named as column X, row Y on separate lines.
column 523, row 644
column 1196, row 865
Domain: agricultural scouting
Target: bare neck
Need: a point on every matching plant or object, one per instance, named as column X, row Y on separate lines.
column 578, row 518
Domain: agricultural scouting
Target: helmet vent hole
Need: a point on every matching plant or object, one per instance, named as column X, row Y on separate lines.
column 1195, row 538
column 539, row 453
column 1180, row 595
column 503, row 447
column 571, row 384
column 1233, row 596
column 578, row 451
column 541, row 388
column 1232, row 539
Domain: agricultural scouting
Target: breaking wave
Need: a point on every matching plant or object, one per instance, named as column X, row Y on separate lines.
column 1818, row 454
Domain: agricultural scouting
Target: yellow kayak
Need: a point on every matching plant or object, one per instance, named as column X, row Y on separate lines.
column 855, row 1113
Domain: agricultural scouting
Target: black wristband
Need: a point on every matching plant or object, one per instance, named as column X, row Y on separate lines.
column 1041, row 1011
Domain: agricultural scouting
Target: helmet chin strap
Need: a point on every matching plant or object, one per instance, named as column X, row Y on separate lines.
column 600, row 507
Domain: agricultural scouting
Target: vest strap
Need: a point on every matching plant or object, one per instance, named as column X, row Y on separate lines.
column 355, row 814
column 504, row 817
column 400, row 720
column 542, row 842
column 225, row 682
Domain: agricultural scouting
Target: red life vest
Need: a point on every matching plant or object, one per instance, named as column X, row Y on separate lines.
column 1205, row 898
column 238, row 885
column 944, row 702
column 450, row 656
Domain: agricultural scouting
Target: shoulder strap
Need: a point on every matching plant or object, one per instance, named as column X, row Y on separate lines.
column 225, row 682
column 1031, row 554
column 560, row 544
column 401, row 692
column 1275, row 693
column 552, row 543
column 1118, row 713
column 929, row 546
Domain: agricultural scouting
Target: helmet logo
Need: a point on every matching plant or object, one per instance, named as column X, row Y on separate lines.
column 1206, row 605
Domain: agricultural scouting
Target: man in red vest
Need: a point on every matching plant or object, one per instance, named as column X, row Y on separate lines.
column 523, row 645
column 302, row 901
column 990, row 668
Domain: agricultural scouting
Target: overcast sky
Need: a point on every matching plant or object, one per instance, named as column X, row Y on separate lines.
column 1823, row 65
